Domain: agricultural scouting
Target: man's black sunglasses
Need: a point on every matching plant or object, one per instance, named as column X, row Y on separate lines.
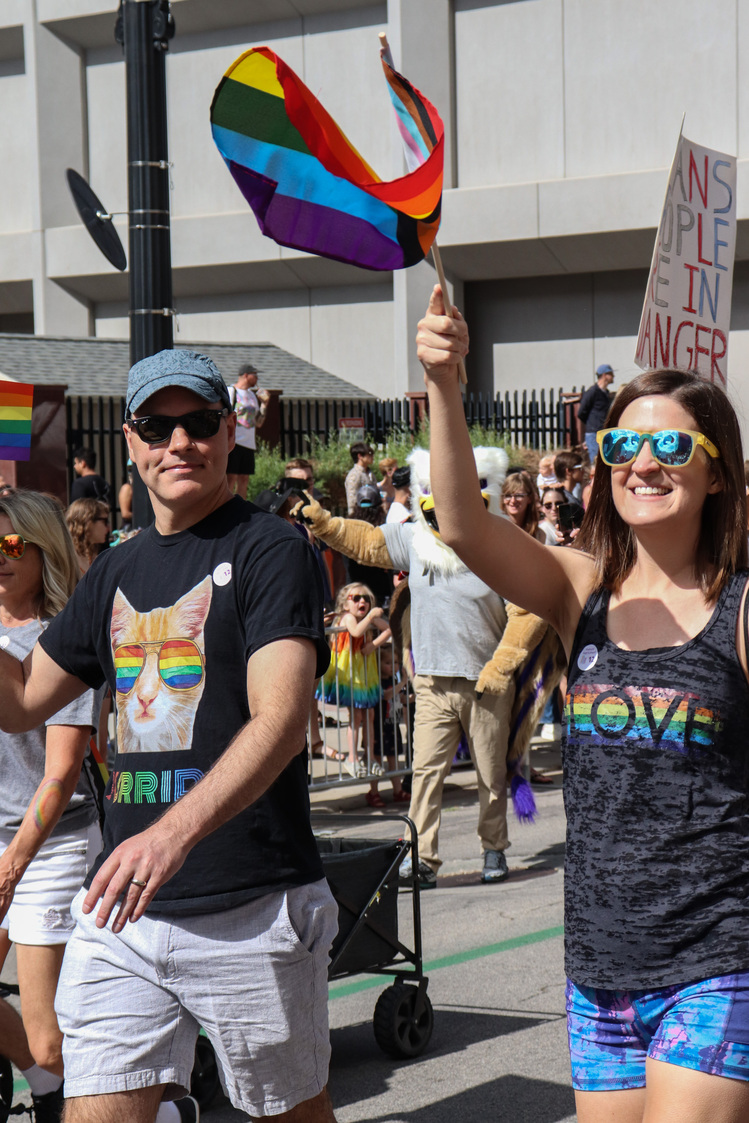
column 158, row 428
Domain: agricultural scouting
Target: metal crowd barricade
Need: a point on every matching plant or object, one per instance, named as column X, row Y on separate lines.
column 360, row 761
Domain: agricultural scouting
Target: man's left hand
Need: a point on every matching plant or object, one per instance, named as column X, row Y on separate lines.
column 151, row 857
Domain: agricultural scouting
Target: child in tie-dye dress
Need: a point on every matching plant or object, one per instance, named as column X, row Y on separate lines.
column 353, row 679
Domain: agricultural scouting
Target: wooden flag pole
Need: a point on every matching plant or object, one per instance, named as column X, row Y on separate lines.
column 436, row 256
column 437, row 259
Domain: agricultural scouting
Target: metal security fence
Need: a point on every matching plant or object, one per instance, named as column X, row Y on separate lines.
column 541, row 420
column 341, row 755
column 309, row 418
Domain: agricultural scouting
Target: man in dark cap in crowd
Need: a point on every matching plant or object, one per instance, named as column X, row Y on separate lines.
column 594, row 407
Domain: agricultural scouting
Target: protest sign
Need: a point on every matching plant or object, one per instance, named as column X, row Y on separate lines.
column 687, row 310
column 16, row 400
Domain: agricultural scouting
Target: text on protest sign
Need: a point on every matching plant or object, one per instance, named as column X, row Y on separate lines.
column 687, row 310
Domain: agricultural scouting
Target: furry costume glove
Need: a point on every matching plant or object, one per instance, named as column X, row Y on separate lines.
column 352, row 537
column 523, row 632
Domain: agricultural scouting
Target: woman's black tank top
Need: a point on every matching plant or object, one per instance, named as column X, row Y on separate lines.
column 656, row 781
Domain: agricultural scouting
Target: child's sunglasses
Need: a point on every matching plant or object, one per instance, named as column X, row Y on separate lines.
column 180, row 663
column 673, row 448
column 199, row 425
column 12, row 546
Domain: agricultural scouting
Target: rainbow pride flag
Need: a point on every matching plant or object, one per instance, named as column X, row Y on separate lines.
column 16, row 400
column 308, row 186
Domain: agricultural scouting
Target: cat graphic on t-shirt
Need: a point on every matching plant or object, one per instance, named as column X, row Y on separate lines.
column 159, row 660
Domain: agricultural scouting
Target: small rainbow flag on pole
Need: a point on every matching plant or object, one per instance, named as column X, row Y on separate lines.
column 308, row 186
column 16, row 400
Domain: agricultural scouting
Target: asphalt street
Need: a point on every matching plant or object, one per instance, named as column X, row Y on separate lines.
column 493, row 957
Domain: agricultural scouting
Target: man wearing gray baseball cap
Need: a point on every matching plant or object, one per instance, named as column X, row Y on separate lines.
column 187, row 369
column 207, row 906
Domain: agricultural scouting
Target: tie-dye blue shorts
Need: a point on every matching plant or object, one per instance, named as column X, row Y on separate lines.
column 703, row 1026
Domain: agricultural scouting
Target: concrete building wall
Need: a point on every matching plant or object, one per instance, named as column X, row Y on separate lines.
column 561, row 119
column 17, row 166
column 310, row 322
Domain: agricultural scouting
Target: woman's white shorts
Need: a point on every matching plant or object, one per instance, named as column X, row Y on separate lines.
column 40, row 912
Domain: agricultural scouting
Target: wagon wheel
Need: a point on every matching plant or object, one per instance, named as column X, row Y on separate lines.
column 205, row 1083
column 398, row 1031
column 6, row 1088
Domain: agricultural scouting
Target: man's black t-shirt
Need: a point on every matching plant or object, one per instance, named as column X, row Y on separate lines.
column 170, row 622
column 90, row 487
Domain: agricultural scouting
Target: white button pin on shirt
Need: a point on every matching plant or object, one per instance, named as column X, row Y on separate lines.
column 222, row 574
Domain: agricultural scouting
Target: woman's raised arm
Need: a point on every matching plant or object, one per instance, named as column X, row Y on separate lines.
column 549, row 581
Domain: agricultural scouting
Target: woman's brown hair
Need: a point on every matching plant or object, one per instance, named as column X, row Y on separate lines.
column 520, row 482
column 79, row 516
column 722, row 545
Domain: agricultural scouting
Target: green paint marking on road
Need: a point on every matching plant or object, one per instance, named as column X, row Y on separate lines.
column 454, row 960
column 432, row 965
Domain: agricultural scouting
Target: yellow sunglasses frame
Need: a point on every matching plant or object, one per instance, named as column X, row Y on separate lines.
column 697, row 439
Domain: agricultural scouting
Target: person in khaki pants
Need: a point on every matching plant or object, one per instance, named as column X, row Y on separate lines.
column 445, row 706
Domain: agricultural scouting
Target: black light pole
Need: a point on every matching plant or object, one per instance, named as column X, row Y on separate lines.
column 144, row 28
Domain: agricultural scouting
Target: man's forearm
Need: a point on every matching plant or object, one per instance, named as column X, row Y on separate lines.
column 248, row 767
column 279, row 686
column 252, row 762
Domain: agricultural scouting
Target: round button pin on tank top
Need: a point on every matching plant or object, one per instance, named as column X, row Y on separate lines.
column 588, row 657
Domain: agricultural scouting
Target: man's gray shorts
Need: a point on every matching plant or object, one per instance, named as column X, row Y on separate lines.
column 254, row 977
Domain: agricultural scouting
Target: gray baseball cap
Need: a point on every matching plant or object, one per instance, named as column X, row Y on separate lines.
column 187, row 369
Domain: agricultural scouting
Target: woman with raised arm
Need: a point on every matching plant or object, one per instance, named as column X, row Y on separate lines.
column 652, row 611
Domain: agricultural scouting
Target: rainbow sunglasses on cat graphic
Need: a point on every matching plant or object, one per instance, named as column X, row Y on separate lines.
column 179, row 662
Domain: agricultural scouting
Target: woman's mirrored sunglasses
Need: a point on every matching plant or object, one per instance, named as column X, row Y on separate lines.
column 673, row 448
column 158, row 428
column 12, row 545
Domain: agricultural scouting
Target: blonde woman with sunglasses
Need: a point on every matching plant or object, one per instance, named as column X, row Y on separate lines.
column 651, row 611
column 49, row 831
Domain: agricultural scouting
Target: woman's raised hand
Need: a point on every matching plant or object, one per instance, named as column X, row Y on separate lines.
column 441, row 341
